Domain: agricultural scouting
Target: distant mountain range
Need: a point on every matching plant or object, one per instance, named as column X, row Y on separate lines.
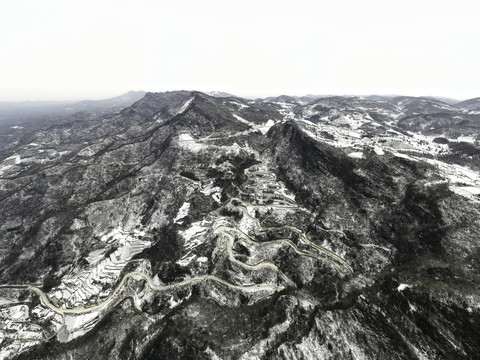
column 472, row 104
column 28, row 110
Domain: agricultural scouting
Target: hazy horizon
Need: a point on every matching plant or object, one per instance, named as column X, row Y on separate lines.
column 73, row 100
column 68, row 51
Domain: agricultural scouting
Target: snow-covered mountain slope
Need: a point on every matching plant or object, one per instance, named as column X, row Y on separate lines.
column 471, row 104
column 203, row 227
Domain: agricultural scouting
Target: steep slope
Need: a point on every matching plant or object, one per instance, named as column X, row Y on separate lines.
column 65, row 168
column 206, row 115
column 471, row 104
column 397, row 230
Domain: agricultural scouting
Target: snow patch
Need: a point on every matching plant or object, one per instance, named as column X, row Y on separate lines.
column 214, row 192
column 187, row 142
column 5, row 168
column 375, row 246
column 172, row 303
column 241, row 106
column 187, row 259
column 77, row 325
column 185, row 105
column 182, row 212
column 404, row 156
column 186, row 137
column 412, row 307
column 470, row 192
column 95, row 256
column 16, row 158
column 212, row 354
column 469, row 139
column 402, row 287
column 195, row 230
column 265, row 127
column 194, row 236
column 217, row 197
column 356, row 155
column 239, row 118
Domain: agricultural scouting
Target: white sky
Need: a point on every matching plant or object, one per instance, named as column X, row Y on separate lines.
column 80, row 49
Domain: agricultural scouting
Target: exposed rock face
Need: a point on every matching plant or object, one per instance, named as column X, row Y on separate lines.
column 197, row 227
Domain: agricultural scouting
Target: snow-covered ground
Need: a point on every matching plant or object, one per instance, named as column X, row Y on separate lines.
column 402, row 287
column 265, row 127
column 193, row 237
column 87, row 286
column 185, row 105
column 462, row 180
column 356, row 155
column 78, row 289
column 182, row 212
column 78, row 324
column 469, row 139
column 414, row 147
column 214, row 191
column 239, row 118
column 187, row 142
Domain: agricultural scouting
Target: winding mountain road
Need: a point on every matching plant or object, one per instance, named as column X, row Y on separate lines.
column 339, row 264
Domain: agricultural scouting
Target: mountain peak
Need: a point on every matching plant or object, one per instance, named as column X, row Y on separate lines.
column 220, row 94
